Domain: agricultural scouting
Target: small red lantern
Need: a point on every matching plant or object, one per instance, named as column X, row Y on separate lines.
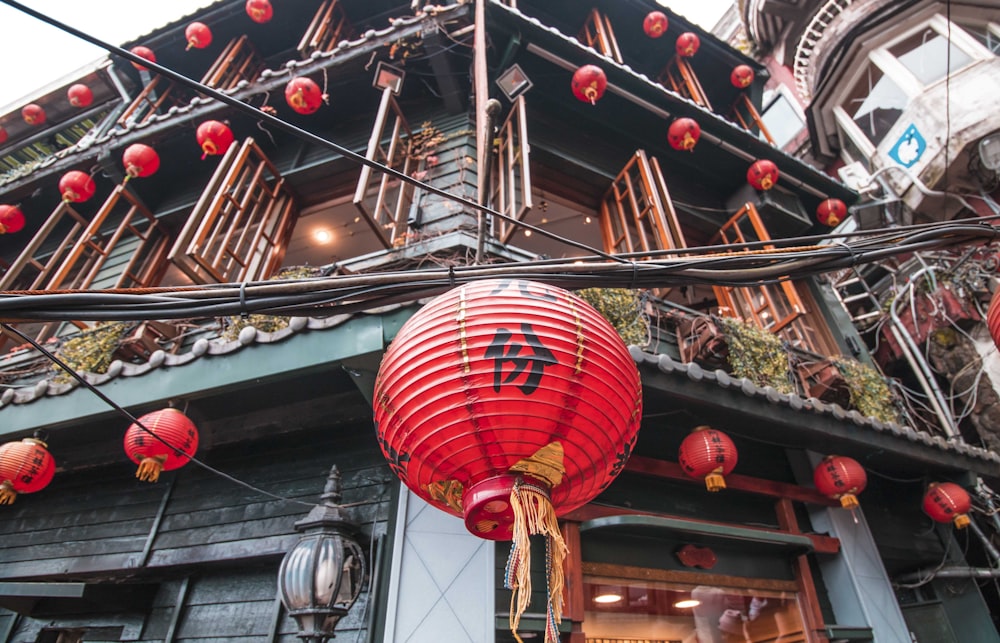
column 948, row 502
column 11, row 219
column 167, row 443
column 683, row 134
column 741, row 76
column 33, row 114
column 79, row 95
column 198, row 35
column 762, row 175
column 260, row 10
column 708, row 453
column 25, row 467
column 655, row 24
column 993, row 317
column 140, row 160
column 3, row 135
column 687, row 44
column 215, row 138
column 831, row 212
column 589, row 83
column 76, row 186
column 508, row 402
column 840, row 478
column 303, row 95
column 143, row 52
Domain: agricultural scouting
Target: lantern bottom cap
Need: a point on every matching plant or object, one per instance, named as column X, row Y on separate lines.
column 487, row 509
column 715, row 482
column 849, row 501
column 962, row 521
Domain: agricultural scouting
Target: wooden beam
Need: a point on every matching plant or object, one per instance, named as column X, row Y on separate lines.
column 734, row 481
column 811, row 611
column 573, row 606
column 610, row 570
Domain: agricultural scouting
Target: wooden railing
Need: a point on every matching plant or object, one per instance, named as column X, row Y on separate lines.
column 328, row 27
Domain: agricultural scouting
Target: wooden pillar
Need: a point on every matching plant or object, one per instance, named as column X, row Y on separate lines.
column 809, row 599
column 573, row 603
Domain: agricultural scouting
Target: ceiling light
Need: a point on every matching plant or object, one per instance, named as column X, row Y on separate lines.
column 607, row 598
column 322, row 236
column 688, row 602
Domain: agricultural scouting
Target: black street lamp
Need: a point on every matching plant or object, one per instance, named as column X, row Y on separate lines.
column 321, row 576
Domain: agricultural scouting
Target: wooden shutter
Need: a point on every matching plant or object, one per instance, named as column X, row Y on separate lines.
column 238, row 61
column 511, row 173
column 637, row 213
column 240, row 225
column 159, row 95
column 680, row 77
column 328, row 27
column 384, row 200
column 598, row 34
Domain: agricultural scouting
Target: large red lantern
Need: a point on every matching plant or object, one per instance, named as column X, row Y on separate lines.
column 655, row 24
column 687, row 44
column 710, row 454
column 260, row 10
column 831, row 212
column 33, row 114
column 167, row 443
column 215, row 138
column 508, row 402
column 683, row 134
column 76, row 186
column 198, row 35
column 762, row 175
column 303, row 95
column 79, row 95
column 145, row 53
column 11, row 219
column 25, row 467
column 840, row 478
column 948, row 502
column 742, row 76
column 140, row 160
column 589, row 83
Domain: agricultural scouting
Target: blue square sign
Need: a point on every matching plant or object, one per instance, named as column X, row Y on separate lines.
column 909, row 148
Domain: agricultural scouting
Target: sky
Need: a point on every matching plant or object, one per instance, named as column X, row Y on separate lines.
column 49, row 54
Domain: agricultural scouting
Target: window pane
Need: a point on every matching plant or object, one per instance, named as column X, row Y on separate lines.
column 986, row 37
column 875, row 103
column 926, row 55
column 781, row 120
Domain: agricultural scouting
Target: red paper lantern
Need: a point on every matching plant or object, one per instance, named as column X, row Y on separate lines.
column 76, row 186
column 948, row 502
column 655, row 24
column 683, row 134
column 260, row 10
column 708, row 453
column 831, row 212
column 762, row 175
column 198, row 35
column 11, row 219
column 687, row 44
column 79, row 95
column 169, row 441
column 33, row 114
column 140, row 160
column 508, row 402
column 589, row 83
column 303, row 95
column 741, row 76
column 215, row 138
column 840, row 478
column 3, row 135
column 143, row 52
column 25, row 467
column 993, row 317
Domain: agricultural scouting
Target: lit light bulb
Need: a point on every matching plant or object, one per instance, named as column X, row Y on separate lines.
column 322, row 235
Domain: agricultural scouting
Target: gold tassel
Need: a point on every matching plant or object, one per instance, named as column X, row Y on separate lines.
column 714, row 481
column 150, row 468
column 535, row 515
column 7, row 493
column 849, row 501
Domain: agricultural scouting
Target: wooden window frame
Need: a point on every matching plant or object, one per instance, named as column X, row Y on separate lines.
column 387, row 217
column 240, row 225
column 744, row 113
column 238, row 61
column 159, row 94
column 328, row 27
column 679, row 77
column 598, row 34
column 512, row 173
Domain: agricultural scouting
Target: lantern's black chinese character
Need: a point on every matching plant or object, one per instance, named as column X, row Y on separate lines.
column 534, row 363
column 523, row 287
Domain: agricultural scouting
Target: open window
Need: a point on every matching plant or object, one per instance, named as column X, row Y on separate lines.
column 384, row 200
column 598, row 34
column 511, row 173
column 240, row 225
column 637, row 213
column 328, row 27
column 679, row 77
column 238, row 61
column 744, row 113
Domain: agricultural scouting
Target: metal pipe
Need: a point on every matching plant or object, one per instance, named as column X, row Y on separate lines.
column 949, row 572
column 987, row 545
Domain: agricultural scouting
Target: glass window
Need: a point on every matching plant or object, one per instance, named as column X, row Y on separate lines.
column 875, row 103
column 986, row 35
column 625, row 610
column 929, row 56
column 782, row 120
